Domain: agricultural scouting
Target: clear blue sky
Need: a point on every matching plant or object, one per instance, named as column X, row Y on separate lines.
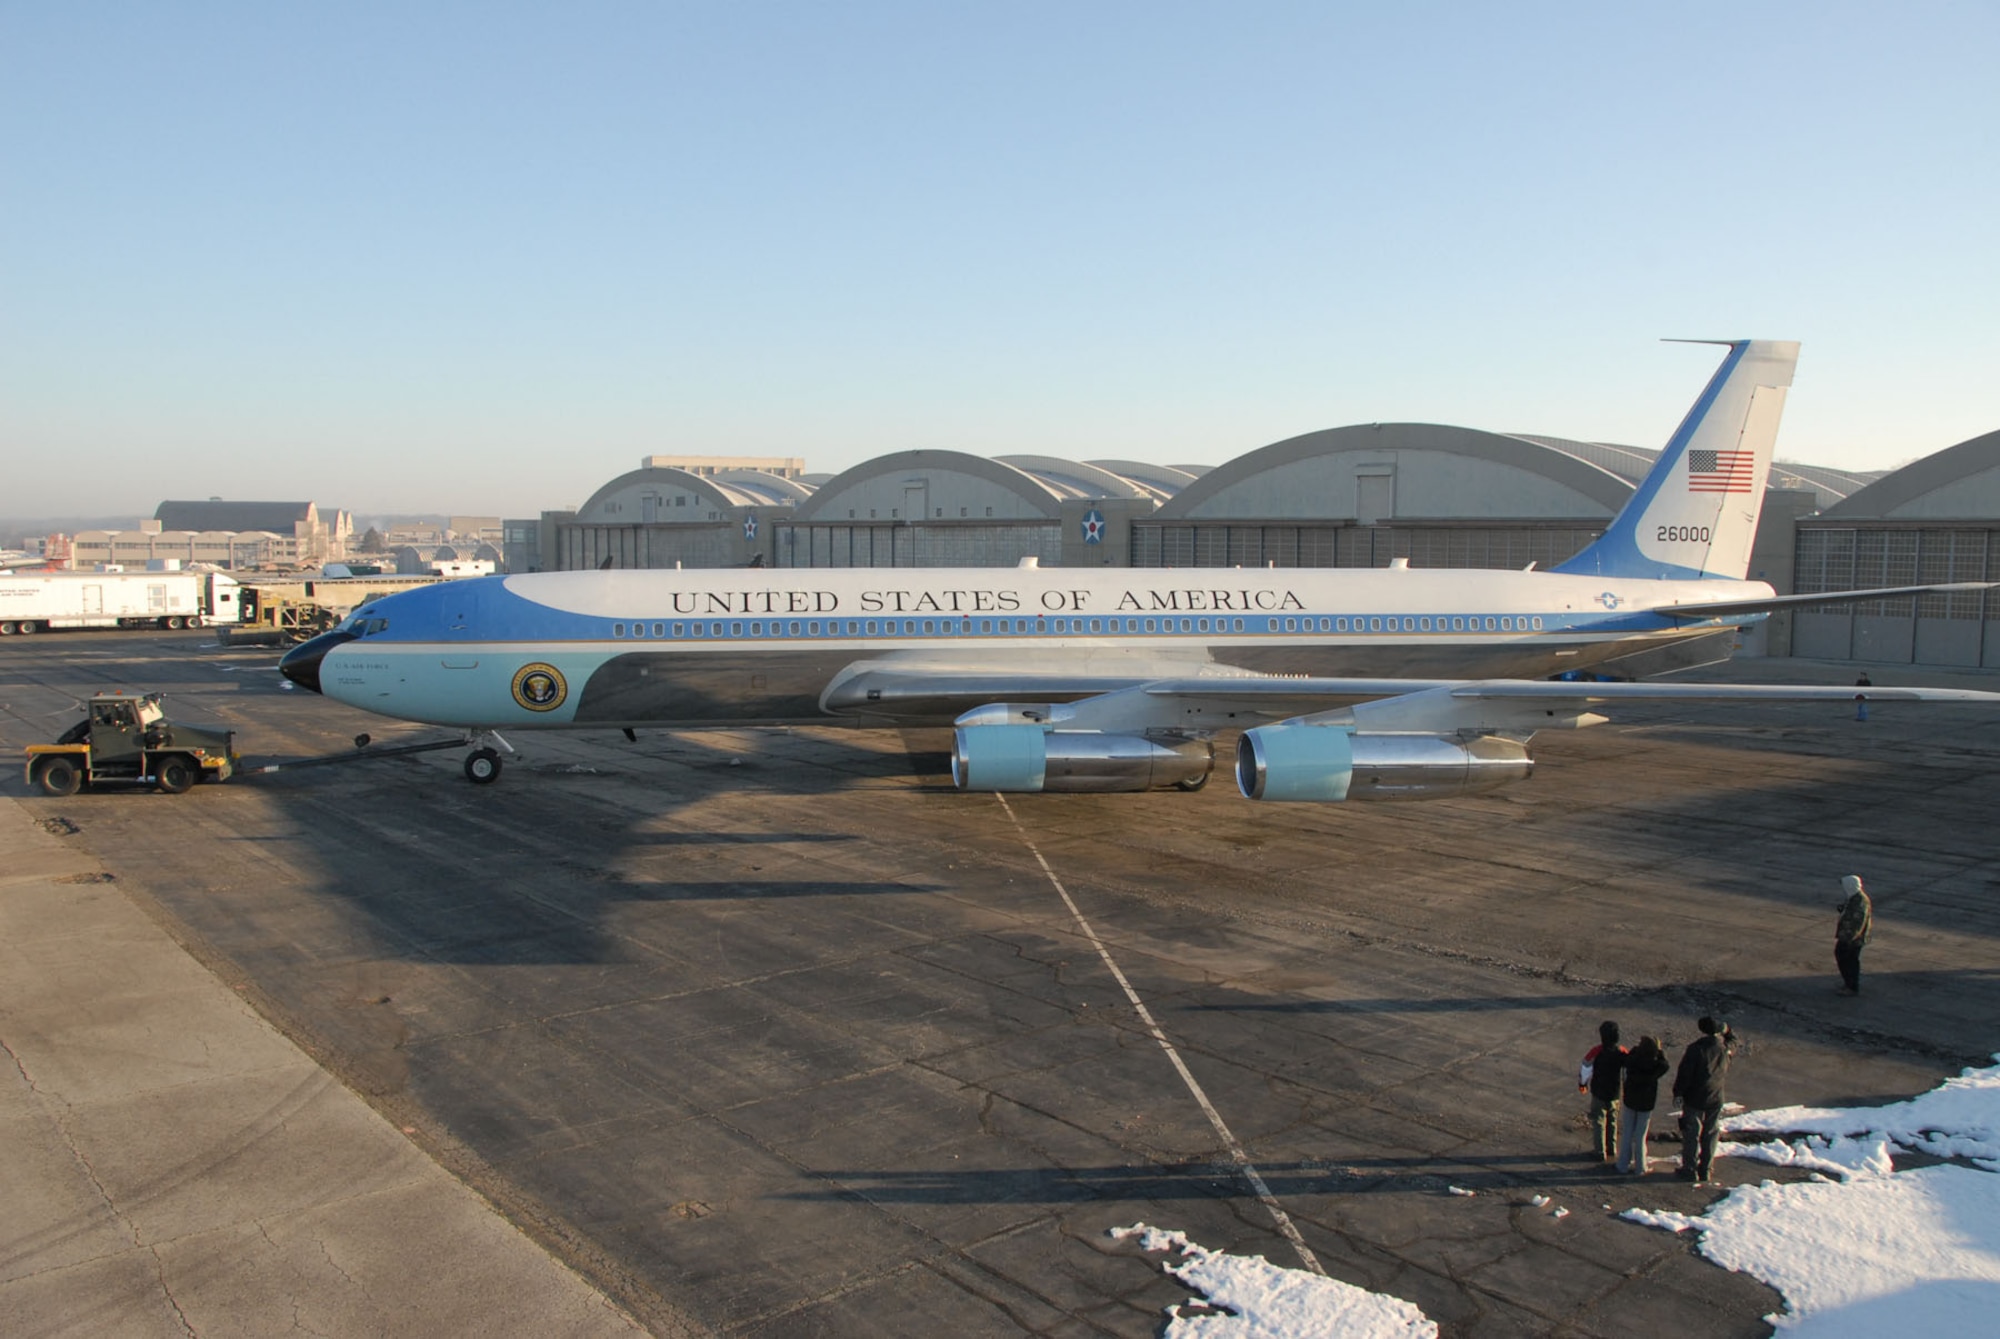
column 482, row 257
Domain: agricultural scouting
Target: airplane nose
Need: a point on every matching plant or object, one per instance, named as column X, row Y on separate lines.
column 301, row 663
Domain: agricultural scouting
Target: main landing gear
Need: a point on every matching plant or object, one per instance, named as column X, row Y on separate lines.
column 482, row 765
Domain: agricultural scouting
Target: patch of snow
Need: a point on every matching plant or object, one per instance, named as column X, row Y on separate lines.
column 1964, row 1112
column 1875, row 1250
column 1265, row 1301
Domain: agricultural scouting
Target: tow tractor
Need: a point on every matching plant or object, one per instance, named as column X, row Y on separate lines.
column 126, row 739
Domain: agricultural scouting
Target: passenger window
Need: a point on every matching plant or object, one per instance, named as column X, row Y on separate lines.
column 1239, row 625
column 871, row 627
column 680, row 630
column 1538, row 625
column 1149, row 625
column 659, row 629
column 986, row 625
column 736, row 629
column 617, row 629
column 757, row 629
column 1096, row 625
column 1374, row 625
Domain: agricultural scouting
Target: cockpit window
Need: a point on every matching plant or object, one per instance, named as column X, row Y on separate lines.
column 364, row 623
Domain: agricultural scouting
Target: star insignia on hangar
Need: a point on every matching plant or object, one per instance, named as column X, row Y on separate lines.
column 1093, row 526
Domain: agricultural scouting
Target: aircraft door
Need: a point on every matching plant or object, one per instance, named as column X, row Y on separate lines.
column 461, row 606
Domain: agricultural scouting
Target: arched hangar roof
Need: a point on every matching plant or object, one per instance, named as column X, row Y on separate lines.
column 1073, row 478
column 1437, row 472
column 1161, row 481
column 620, row 501
column 879, row 488
column 1958, row 483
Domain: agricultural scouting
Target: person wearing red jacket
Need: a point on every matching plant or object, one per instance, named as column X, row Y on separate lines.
column 1601, row 1075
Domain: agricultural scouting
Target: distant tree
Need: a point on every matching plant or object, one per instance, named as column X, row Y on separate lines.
column 372, row 541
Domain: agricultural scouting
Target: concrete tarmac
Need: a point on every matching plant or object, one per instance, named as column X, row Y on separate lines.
column 773, row 1033
column 174, row 1166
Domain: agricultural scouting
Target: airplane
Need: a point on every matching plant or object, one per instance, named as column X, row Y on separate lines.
column 1393, row 683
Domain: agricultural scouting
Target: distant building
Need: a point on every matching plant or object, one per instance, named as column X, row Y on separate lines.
column 475, row 530
column 308, row 537
column 785, row 467
column 238, row 550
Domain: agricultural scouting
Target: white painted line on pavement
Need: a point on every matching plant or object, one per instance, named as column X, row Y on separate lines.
column 1229, row 1141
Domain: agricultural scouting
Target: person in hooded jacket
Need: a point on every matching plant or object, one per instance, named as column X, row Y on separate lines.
column 1644, row 1066
column 1606, row 1065
column 1850, row 936
column 1698, row 1083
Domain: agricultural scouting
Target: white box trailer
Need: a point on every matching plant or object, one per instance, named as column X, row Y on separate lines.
column 43, row 601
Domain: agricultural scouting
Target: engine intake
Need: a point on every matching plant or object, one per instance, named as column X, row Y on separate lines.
column 1030, row 758
column 1326, row 763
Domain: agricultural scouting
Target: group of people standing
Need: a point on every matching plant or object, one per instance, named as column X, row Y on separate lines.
column 1624, row 1085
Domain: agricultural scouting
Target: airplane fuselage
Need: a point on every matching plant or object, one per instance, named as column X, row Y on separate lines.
column 753, row 646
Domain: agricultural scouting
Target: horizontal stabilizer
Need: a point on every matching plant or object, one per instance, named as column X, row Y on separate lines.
column 1769, row 603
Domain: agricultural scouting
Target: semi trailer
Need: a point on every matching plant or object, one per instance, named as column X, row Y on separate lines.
column 47, row 601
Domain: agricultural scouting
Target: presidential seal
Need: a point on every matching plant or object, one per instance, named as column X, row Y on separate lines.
column 540, row 687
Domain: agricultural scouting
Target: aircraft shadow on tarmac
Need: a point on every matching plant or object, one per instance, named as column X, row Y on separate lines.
column 1206, row 1180
column 1912, row 1012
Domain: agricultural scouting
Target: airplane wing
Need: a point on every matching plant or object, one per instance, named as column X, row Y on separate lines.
column 1500, row 706
column 1321, row 739
column 1123, row 699
column 1772, row 603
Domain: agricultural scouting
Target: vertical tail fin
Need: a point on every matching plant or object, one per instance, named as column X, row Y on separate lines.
column 1695, row 513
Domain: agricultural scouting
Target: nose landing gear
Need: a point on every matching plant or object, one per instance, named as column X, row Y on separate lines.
column 482, row 765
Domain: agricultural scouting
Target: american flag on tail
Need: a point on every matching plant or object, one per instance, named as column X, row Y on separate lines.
column 1721, row 471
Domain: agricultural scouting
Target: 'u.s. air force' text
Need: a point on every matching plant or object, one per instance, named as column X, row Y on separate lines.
column 981, row 600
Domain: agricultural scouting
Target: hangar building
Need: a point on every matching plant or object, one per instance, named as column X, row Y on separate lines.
column 1935, row 520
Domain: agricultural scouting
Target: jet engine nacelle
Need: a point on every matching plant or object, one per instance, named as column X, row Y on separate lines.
column 1317, row 762
column 1030, row 758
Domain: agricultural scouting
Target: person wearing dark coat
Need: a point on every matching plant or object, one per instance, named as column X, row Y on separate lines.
column 1645, row 1064
column 1857, row 918
column 1698, row 1085
column 1606, row 1063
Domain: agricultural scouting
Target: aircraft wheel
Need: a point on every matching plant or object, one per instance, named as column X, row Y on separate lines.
column 482, row 767
column 175, row 774
column 1193, row 784
column 58, row 777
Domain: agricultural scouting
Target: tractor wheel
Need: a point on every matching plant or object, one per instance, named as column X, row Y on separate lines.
column 175, row 774
column 58, row 777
